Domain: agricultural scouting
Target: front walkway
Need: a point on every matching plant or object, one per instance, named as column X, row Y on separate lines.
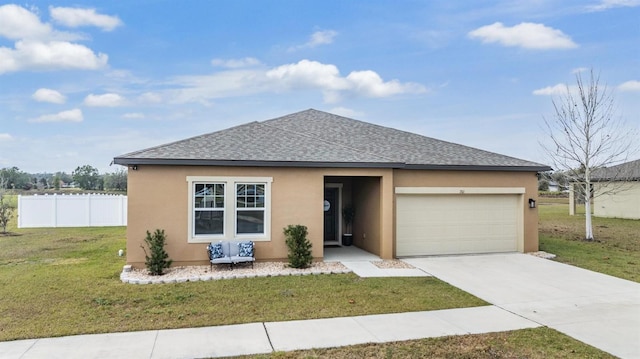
column 360, row 262
column 597, row 309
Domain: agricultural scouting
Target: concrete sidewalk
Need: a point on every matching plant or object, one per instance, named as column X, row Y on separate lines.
column 262, row 338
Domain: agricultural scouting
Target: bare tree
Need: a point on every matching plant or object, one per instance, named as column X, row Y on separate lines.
column 586, row 135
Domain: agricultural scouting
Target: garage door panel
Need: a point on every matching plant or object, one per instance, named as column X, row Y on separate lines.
column 456, row 224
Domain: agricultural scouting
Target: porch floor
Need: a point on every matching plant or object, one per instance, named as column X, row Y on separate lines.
column 350, row 253
column 360, row 262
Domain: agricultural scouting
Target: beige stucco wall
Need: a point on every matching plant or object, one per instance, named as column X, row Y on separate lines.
column 158, row 198
column 619, row 200
column 528, row 180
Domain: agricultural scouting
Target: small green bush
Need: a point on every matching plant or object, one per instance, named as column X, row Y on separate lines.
column 6, row 213
column 299, row 246
column 159, row 259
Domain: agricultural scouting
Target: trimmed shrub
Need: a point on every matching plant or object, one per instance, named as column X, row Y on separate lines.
column 6, row 212
column 158, row 260
column 299, row 246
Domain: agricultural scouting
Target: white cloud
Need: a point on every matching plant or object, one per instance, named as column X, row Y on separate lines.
column 74, row 115
column 559, row 89
column 76, row 17
column 236, row 63
column 133, row 115
column 48, row 95
column 53, row 55
column 370, row 84
column 17, row 23
column 630, row 86
column 104, row 100
column 315, row 75
column 609, row 4
column 303, row 75
column 308, row 74
column 324, row 37
column 39, row 47
column 526, row 35
column 5, row 137
column 321, row 38
column 578, row 70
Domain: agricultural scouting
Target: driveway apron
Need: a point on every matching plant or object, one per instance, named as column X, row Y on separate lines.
column 595, row 308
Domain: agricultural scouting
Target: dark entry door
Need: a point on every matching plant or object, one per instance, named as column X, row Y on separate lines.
column 330, row 214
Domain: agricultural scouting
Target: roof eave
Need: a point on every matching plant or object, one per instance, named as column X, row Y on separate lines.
column 310, row 164
column 620, row 179
column 251, row 163
column 478, row 168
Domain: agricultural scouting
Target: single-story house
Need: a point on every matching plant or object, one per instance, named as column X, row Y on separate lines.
column 617, row 191
column 413, row 195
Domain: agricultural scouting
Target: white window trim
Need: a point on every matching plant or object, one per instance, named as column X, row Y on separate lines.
column 230, row 210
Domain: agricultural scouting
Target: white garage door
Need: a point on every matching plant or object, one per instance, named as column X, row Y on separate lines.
column 428, row 224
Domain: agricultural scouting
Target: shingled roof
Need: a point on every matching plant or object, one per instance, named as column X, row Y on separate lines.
column 314, row 138
column 628, row 171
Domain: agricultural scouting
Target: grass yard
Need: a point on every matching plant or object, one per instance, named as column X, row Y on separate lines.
column 65, row 281
column 538, row 343
column 615, row 251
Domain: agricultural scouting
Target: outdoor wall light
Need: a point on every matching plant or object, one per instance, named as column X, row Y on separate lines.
column 532, row 203
column 134, row 167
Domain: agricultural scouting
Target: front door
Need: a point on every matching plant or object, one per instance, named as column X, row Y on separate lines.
column 331, row 215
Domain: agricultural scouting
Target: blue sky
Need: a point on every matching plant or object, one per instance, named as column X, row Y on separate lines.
column 84, row 81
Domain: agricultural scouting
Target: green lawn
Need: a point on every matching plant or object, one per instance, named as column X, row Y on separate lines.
column 615, row 251
column 59, row 281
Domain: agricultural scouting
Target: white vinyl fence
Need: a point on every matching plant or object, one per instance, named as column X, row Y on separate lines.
column 84, row 210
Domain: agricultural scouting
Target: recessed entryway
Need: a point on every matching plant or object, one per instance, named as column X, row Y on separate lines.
column 363, row 195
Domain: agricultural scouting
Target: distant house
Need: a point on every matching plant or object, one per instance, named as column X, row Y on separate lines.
column 557, row 187
column 554, row 186
column 622, row 198
column 413, row 195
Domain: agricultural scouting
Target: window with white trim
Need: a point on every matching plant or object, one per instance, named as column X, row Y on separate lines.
column 227, row 208
column 250, row 201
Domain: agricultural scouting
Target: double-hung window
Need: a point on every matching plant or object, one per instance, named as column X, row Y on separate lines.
column 250, row 202
column 208, row 208
column 227, row 208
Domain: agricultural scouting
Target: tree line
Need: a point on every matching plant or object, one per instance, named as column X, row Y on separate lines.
column 85, row 177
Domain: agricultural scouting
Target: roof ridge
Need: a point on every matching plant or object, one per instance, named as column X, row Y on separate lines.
column 310, row 135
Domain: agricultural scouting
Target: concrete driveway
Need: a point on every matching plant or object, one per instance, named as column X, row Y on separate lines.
column 597, row 309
